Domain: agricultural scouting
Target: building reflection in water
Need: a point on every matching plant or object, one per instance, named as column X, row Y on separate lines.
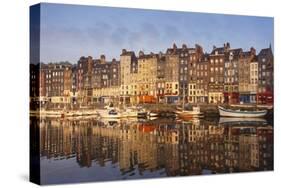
column 173, row 148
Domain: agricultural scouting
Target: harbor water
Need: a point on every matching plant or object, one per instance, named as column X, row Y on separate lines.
column 92, row 149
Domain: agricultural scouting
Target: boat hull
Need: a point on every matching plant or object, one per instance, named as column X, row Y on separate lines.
column 238, row 120
column 243, row 114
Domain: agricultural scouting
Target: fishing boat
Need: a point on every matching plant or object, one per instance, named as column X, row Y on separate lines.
column 187, row 114
column 52, row 113
column 260, row 106
column 129, row 112
column 238, row 113
column 89, row 113
column 241, row 121
column 109, row 113
column 195, row 112
column 77, row 113
column 152, row 114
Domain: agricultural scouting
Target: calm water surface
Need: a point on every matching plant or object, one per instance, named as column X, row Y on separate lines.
column 75, row 150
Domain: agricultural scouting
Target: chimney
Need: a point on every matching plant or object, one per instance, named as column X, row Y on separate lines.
column 90, row 64
column 124, row 51
column 160, row 54
column 102, row 59
column 227, row 45
column 141, row 53
column 253, row 51
column 214, row 47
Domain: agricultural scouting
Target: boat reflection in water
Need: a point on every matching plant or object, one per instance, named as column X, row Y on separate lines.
column 99, row 150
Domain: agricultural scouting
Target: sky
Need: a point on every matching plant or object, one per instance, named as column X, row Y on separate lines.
column 71, row 31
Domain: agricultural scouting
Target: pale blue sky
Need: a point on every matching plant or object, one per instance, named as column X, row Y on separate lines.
column 71, row 31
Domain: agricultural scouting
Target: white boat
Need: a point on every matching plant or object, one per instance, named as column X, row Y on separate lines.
column 195, row 112
column 152, row 114
column 129, row 112
column 261, row 106
column 77, row 113
column 89, row 112
column 238, row 113
column 238, row 120
column 51, row 113
column 187, row 114
column 109, row 113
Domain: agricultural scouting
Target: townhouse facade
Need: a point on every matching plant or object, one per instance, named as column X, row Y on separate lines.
column 266, row 74
column 202, row 81
column 254, row 77
column 171, row 90
column 147, row 77
column 231, row 76
column 244, row 75
column 216, row 83
column 128, row 70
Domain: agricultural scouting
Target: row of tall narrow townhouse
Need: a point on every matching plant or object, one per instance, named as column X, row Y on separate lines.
column 94, row 78
column 225, row 75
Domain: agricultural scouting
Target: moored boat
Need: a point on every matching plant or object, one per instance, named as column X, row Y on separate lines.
column 152, row 114
column 195, row 112
column 188, row 114
column 238, row 113
column 238, row 120
column 109, row 113
column 129, row 112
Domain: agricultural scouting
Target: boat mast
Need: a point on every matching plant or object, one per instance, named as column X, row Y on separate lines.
column 124, row 98
column 183, row 98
